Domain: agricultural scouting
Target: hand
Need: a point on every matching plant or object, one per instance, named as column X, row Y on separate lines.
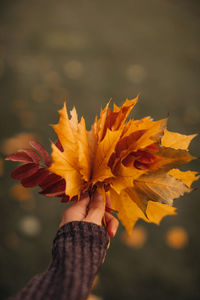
column 91, row 211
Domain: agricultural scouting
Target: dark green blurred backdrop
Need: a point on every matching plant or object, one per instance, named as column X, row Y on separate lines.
column 89, row 51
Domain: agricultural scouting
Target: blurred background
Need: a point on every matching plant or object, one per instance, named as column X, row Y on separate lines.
column 87, row 52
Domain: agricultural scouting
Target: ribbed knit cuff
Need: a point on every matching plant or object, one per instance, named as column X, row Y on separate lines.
column 78, row 250
column 82, row 233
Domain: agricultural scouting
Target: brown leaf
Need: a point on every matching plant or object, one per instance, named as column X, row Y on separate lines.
column 49, row 180
column 42, row 152
column 35, row 179
column 20, row 157
column 159, row 187
column 24, row 171
column 168, row 158
column 35, row 158
column 59, row 146
column 55, row 189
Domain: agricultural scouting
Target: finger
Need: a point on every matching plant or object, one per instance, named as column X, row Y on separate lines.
column 108, row 202
column 96, row 209
column 76, row 212
column 84, row 195
column 112, row 224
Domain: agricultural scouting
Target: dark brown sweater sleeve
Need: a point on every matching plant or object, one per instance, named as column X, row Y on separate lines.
column 78, row 252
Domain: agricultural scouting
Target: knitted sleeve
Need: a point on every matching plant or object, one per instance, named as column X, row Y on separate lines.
column 77, row 254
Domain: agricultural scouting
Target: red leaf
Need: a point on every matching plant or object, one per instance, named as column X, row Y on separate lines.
column 110, row 210
column 59, row 146
column 65, row 198
column 152, row 147
column 36, row 178
column 147, row 158
column 49, row 180
column 22, row 157
column 24, row 171
column 56, row 189
column 141, row 166
column 44, row 154
column 127, row 141
column 35, row 158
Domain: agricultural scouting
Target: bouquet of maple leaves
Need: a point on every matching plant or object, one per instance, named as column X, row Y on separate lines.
column 134, row 162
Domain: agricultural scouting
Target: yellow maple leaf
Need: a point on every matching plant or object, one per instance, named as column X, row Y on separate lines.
column 124, row 177
column 153, row 130
column 66, row 163
column 156, row 211
column 133, row 162
column 83, row 150
column 158, row 188
column 176, row 140
column 105, row 148
column 116, row 119
column 187, row 177
column 128, row 210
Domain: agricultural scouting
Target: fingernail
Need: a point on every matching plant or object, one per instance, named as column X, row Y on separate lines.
column 113, row 232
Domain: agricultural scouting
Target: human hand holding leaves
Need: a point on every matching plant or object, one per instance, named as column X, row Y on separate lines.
column 133, row 163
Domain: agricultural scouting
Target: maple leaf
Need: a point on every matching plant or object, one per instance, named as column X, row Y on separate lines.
column 66, row 162
column 159, row 187
column 124, row 177
column 176, row 140
column 187, row 177
column 65, row 165
column 130, row 212
column 133, row 162
column 104, row 151
column 84, row 152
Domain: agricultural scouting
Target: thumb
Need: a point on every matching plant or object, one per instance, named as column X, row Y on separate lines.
column 96, row 209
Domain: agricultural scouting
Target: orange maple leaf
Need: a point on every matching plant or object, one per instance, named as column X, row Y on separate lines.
column 132, row 162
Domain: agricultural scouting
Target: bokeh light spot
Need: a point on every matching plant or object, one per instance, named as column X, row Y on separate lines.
column 73, row 69
column 177, row 237
column 137, row 238
column 21, row 193
column 136, row 73
column 18, row 141
column 30, row 226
